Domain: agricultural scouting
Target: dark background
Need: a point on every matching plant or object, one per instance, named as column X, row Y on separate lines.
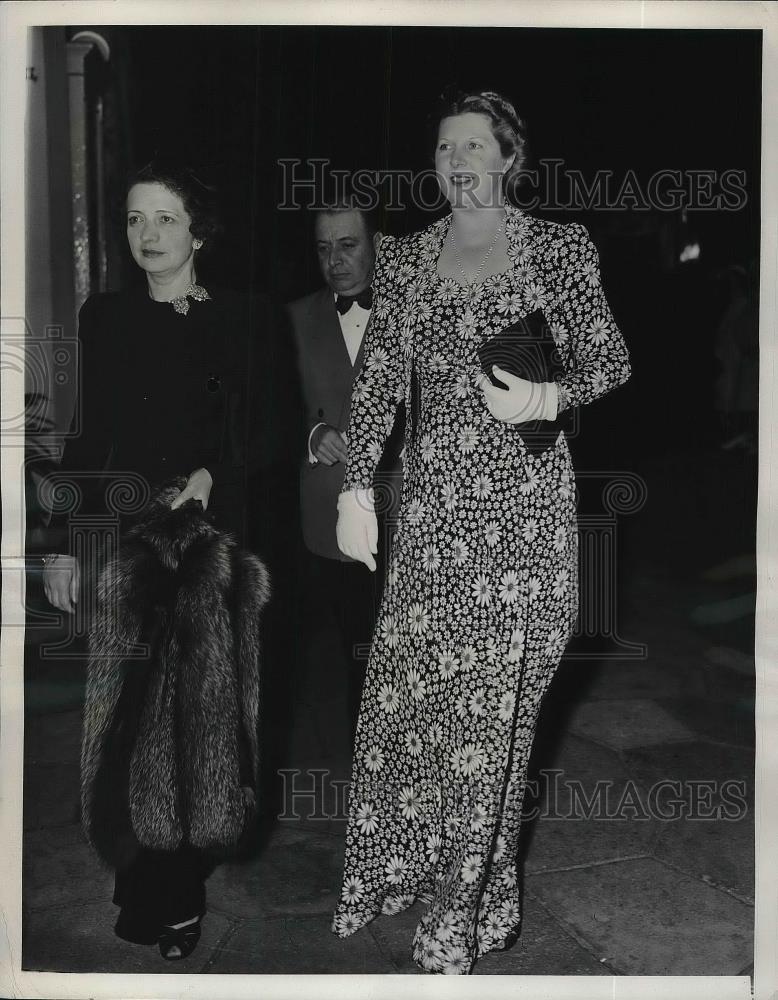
column 235, row 100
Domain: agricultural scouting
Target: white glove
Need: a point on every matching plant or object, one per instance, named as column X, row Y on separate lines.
column 522, row 400
column 357, row 527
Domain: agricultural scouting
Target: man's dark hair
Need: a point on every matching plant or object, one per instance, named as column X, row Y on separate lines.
column 369, row 216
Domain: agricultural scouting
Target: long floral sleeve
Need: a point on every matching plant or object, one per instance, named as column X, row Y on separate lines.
column 379, row 387
column 582, row 324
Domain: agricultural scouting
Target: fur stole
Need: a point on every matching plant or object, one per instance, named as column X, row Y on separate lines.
column 177, row 622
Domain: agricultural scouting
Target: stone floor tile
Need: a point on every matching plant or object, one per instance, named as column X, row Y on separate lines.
column 330, row 828
column 394, row 936
column 557, row 844
column 728, row 720
column 718, row 847
column 59, row 868
column 544, row 948
column 666, row 677
column 648, row 920
column 570, row 774
column 696, row 761
column 60, row 939
column 297, row 873
column 297, row 944
column 719, row 852
column 576, row 757
column 630, row 723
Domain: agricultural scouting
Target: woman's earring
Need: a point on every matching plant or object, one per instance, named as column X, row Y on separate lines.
column 197, row 244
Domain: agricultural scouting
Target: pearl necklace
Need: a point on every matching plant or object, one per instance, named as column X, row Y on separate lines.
column 486, row 257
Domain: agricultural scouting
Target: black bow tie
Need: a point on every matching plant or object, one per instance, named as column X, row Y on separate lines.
column 344, row 302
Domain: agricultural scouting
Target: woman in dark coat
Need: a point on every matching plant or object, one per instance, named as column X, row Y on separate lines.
column 163, row 394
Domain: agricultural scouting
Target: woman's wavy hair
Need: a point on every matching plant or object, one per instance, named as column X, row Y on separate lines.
column 508, row 128
column 199, row 199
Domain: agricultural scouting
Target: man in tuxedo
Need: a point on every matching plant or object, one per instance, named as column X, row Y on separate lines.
column 329, row 328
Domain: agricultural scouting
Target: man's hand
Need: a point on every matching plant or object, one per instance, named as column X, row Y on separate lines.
column 61, row 577
column 328, row 445
column 198, row 487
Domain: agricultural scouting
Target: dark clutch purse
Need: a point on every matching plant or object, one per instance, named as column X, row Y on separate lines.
column 527, row 349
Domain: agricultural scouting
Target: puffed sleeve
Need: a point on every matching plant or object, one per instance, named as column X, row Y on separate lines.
column 582, row 324
column 379, row 387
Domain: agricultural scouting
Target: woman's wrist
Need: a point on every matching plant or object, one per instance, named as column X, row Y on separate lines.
column 550, row 401
column 362, row 498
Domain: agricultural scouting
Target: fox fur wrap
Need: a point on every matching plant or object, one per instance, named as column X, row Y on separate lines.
column 183, row 591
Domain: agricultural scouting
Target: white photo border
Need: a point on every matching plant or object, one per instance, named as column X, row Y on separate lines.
column 15, row 18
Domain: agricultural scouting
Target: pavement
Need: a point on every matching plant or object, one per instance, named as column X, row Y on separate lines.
column 657, row 879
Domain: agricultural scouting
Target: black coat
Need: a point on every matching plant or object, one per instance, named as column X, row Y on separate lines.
column 162, row 394
column 171, row 715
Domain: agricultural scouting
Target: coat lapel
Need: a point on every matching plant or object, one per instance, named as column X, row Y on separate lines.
column 334, row 344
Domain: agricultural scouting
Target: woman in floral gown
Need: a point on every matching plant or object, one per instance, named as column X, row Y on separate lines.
column 481, row 594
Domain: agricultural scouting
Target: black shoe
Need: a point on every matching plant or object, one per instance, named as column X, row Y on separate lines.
column 177, row 943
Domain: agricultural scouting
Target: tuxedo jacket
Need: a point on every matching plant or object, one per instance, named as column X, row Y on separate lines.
column 326, row 379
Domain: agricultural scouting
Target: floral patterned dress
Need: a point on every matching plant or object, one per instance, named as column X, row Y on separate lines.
column 481, row 594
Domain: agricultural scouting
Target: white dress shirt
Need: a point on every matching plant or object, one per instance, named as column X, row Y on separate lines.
column 352, row 325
